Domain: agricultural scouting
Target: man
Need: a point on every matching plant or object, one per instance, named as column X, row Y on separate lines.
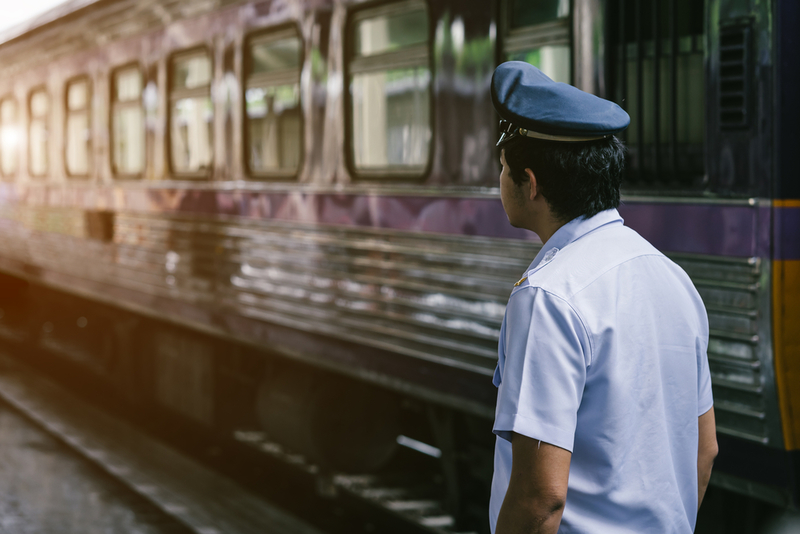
column 605, row 419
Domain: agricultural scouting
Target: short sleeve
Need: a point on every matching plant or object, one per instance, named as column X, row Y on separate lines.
column 705, row 398
column 547, row 352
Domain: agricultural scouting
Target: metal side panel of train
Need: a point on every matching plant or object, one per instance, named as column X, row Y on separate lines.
column 431, row 297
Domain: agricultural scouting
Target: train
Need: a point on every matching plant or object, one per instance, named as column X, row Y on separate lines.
column 285, row 215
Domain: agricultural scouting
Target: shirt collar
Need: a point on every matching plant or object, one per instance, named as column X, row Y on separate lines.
column 572, row 231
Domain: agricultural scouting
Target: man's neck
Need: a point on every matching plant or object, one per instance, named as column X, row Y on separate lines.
column 545, row 226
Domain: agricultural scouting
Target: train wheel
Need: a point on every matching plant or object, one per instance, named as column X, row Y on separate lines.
column 343, row 425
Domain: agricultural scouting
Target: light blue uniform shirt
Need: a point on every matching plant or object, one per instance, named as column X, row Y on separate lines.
column 603, row 353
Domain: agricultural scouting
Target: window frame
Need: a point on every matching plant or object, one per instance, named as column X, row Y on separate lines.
column 386, row 175
column 664, row 177
column 88, row 110
column 557, row 32
column 186, row 53
column 47, row 120
column 265, row 35
column 113, row 106
column 10, row 176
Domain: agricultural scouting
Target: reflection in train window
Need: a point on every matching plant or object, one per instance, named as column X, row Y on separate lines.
column 389, row 84
column 37, row 142
column 191, row 114
column 272, row 102
column 539, row 33
column 78, row 128
column 9, row 137
column 127, row 122
column 388, row 32
column 657, row 75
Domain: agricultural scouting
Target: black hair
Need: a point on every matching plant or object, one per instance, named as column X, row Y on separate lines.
column 576, row 178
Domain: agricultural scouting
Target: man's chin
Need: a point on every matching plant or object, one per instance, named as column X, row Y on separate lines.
column 520, row 226
column 512, row 223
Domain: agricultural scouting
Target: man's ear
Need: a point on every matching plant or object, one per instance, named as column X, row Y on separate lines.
column 533, row 183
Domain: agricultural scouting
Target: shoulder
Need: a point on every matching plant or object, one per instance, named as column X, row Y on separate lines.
column 532, row 310
column 531, row 299
column 584, row 261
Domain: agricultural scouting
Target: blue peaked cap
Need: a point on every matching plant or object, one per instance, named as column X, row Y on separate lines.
column 533, row 105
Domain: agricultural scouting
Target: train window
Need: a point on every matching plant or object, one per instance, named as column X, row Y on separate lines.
column 37, row 142
column 191, row 114
column 9, row 137
column 539, row 33
column 127, row 122
column 395, row 32
column 657, row 75
column 272, row 103
column 78, row 128
column 390, row 84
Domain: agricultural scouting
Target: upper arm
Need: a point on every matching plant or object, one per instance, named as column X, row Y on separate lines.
column 537, row 489
column 707, row 443
column 707, row 450
column 539, row 472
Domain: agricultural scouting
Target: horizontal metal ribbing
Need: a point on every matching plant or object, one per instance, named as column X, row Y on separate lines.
column 749, row 436
column 733, row 336
column 433, row 297
column 725, row 406
column 730, row 384
column 749, row 365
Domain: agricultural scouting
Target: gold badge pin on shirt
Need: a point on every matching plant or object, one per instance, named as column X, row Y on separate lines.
column 518, row 283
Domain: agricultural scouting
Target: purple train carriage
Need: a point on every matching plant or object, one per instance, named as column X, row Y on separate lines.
column 285, row 215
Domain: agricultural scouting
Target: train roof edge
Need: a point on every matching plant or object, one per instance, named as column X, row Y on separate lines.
column 50, row 16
